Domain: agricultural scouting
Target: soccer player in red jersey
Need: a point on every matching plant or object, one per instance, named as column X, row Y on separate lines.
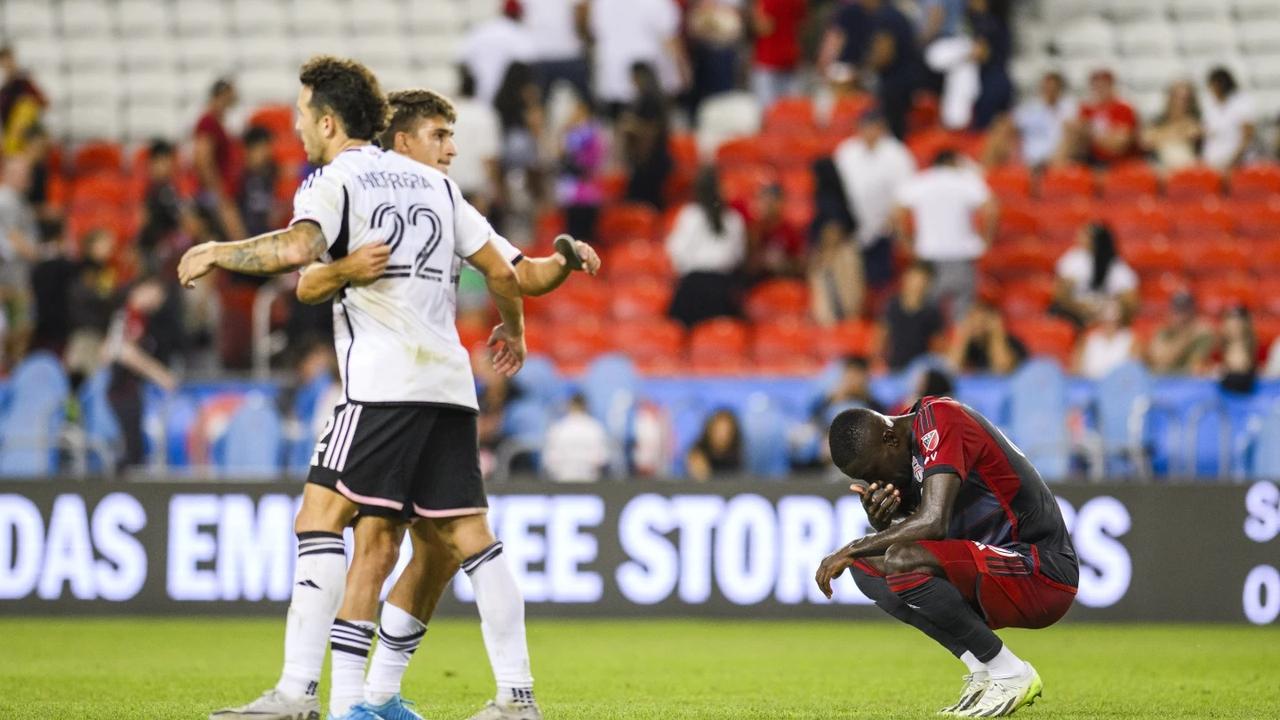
column 968, row 539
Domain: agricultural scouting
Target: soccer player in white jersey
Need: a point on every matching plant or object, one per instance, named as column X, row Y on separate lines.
column 405, row 436
column 421, row 127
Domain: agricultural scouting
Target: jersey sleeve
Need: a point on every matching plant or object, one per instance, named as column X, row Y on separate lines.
column 939, row 434
column 321, row 199
column 470, row 229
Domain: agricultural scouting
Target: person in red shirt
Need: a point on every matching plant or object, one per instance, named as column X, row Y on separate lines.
column 1107, row 130
column 776, row 24
column 215, row 160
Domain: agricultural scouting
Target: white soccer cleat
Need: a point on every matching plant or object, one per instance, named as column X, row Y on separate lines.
column 272, row 706
column 975, row 684
column 514, row 711
column 1004, row 696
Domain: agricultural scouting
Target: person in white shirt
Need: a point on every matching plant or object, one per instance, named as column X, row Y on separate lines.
column 942, row 201
column 1229, row 120
column 1040, row 119
column 559, row 54
column 1107, row 346
column 707, row 246
column 577, row 446
column 490, row 47
column 1091, row 274
column 627, row 32
column 873, row 166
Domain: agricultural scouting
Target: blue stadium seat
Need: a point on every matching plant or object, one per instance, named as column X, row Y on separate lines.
column 251, row 445
column 1121, row 401
column 1265, row 460
column 100, row 424
column 764, row 438
column 1037, row 416
column 301, row 440
column 539, row 379
column 609, row 385
column 30, row 428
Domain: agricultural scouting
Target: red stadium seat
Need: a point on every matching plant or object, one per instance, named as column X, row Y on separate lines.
column 576, row 343
column 1018, row 220
column 1062, row 222
column 627, row 220
column 638, row 257
column 1266, row 328
column 96, row 157
column 926, row 144
column 1256, row 182
column 718, row 338
column 789, row 114
column 778, row 299
column 684, row 149
column 1265, row 258
column 1018, row 257
column 851, row 337
column 104, row 188
column 741, row 183
column 644, row 339
column 848, row 110
column 640, row 299
column 276, row 118
column 1218, row 293
column 1046, row 336
column 1209, row 218
column 1138, row 221
column 1156, row 290
column 1129, row 181
column 1153, row 256
column 613, row 185
column 742, row 151
column 1219, row 255
column 1010, row 181
column 578, row 297
column 1257, row 220
column 785, row 342
column 1027, row 298
column 1067, row 183
column 798, row 182
column 1193, row 184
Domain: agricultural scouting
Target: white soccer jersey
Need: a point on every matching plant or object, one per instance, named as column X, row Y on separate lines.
column 396, row 338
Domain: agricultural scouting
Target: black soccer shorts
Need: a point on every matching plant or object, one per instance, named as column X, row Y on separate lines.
column 402, row 460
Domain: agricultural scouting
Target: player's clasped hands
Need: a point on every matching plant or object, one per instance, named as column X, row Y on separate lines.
column 507, row 351
column 880, row 503
column 368, row 263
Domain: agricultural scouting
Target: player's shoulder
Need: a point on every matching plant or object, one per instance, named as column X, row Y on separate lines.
column 934, row 410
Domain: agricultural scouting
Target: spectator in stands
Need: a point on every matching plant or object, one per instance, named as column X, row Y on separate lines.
column 912, row 321
column 1176, row 133
column 477, row 168
column 877, row 39
column 776, row 26
column 491, row 47
column 215, row 161
column 1108, row 345
column 942, row 201
column 18, row 250
column 21, row 103
column 1184, row 343
column 258, row 206
column 51, row 279
column 577, row 446
column 162, row 207
column 1238, row 351
column 1040, row 120
column 940, row 19
column 974, row 67
column 982, row 344
column 853, row 389
column 91, row 293
column 36, row 152
column 837, row 287
column 582, row 157
column 628, row 33
column 523, row 120
column 714, row 30
column 1092, row 273
column 776, row 247
column 993, row 45
column 1229, row 121
column 644, row 129
column 707, row 246
column 874, row 166
column 1107, row 129
column 929, row 382
column 718, row 450
column 556, row 29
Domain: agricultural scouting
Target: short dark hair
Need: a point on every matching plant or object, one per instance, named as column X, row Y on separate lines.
column 256, row 135
column 946, row 156
column 850, row 434
column 159, row 149
column 409, row 107
column 348, row 90
column 923, row 266
column 220, row 86
column 856, row 361
column 1223, row 77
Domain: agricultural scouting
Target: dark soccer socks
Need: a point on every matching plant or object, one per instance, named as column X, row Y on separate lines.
column 942, row 604
column 877, row 588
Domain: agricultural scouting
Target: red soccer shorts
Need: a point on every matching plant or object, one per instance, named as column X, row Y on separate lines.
column 1005, row 585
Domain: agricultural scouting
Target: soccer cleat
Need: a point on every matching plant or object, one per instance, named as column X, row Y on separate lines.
column 361, row 711
column 397, row 708
column 1004, row 696
column 515, row 711
column 974, row 685
column 272, row 706
column 566, row 246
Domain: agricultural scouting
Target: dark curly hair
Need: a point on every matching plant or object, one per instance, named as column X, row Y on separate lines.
column 409, row 107
column 347, row 89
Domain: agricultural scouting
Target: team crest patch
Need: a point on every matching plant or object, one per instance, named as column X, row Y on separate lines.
column 929, row 441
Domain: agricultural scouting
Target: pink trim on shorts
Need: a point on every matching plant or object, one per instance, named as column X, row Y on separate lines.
column 366, row 499
column 456, row 512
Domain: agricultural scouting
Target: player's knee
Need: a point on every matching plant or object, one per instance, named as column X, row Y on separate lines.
column 465, row 536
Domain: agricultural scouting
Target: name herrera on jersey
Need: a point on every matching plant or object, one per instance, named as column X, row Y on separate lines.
column 382, row 179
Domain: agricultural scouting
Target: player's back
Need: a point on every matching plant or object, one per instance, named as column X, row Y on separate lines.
column 396, row 338
column 1002, row 498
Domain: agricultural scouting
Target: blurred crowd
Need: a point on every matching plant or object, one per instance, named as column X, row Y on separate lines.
column 566, row 109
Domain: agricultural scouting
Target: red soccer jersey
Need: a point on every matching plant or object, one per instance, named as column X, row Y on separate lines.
column 1108, row 117
column 780, row 49
column 1003, row 501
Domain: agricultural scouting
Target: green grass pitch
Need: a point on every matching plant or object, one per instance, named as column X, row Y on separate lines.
column 164, row 668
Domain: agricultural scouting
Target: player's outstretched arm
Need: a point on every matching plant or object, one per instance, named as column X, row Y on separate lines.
column 321, row 281
column 271, row 253
column 929, row 522
column 539, row 276
column 504, row 288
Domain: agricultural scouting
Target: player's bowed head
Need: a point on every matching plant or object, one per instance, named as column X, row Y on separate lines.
column 871, row 448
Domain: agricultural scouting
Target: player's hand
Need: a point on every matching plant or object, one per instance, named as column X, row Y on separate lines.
column 880, row 503
column 196, row 263
column 507, row 350
column 367, row 264
column 832, row 567
column 590, row 260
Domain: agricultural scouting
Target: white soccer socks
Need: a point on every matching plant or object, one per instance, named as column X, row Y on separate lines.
column 501, row 607
column 399, row 635
column 318, row 581
column 350, row 641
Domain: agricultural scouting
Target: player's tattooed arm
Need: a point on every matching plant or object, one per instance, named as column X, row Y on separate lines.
column 271, row 253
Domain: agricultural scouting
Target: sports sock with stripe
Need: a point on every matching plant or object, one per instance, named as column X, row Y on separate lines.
column 318, row 581
column 349, row 640
column 944, row 606
column 501, row 607
column 399, row 634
